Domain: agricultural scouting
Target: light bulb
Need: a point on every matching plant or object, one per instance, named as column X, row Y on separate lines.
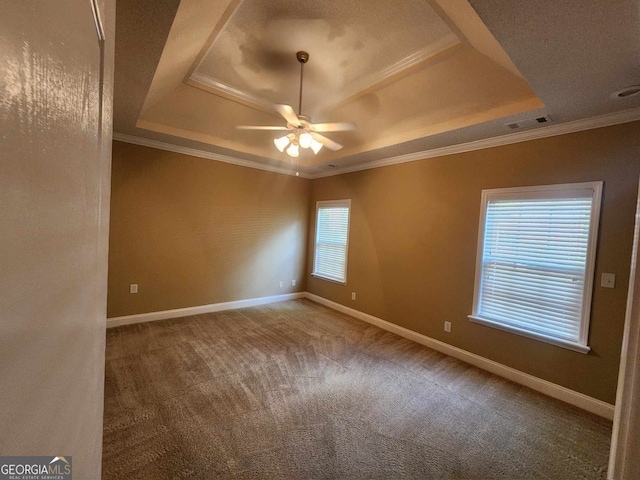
column 305, row 140
column 293, row 151
column 281, row 143
column 315, row 145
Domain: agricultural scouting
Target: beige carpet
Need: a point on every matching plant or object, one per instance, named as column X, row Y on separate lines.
column 297, row 391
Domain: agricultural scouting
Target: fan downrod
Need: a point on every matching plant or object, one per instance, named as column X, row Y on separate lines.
column 303, row 57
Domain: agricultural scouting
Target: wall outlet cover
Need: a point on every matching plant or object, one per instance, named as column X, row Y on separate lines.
column 608, row 280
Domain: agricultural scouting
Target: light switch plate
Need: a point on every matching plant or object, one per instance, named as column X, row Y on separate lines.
column 608, row 280
column 133, row 288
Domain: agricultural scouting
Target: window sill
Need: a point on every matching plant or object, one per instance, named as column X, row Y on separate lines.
column 329, row 279
column 576, row 347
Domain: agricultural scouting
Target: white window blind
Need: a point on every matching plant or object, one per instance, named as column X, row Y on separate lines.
column 332, row 234
column 536, row 252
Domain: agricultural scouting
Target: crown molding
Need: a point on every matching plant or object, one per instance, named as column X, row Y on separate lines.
column 373, row 82
column 194, row 152
column 218, row 88
column 366, row 83
column 600, row 121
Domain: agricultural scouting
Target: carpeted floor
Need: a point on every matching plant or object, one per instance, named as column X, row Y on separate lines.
column 297, row 391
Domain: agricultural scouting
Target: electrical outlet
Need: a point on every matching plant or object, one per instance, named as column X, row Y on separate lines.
column 608, row 280
column 353, row 295
column 293, row 283
column 281, row 284
column 447, row 327
column 133, row 288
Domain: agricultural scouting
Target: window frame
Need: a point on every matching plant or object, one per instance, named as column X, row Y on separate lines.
column 549, row 192
column 331, row 203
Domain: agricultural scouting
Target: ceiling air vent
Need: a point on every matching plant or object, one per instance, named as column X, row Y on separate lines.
column 530, row 122
column 631, row 91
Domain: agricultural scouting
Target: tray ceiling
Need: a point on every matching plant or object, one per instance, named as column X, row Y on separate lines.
column 413, row 75
column 251, row 58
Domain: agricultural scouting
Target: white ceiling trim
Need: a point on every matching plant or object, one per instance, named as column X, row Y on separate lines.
column 375, row 80
column 194, row 152
column 213, row 86
column 367, row 83
column 609, row 119
column 550, row 131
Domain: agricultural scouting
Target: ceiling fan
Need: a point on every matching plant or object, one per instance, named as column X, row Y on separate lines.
column 303, row 133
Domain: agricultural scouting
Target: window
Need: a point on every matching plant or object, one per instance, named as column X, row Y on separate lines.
column 536, row 251
column 332, row 235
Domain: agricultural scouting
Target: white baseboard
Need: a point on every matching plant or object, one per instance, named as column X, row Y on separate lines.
column 214, row 307
column 559, row 392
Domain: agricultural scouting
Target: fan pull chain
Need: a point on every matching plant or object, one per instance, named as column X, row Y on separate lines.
column 293, row 164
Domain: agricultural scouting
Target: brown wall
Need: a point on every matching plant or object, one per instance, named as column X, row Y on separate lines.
column 192, row 231
column 413, row 238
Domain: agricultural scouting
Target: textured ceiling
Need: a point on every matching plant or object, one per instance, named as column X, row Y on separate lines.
column 415, row 77
column 253, row 55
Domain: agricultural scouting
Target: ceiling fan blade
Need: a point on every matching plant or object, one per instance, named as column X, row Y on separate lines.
column 330, row 144
column 289, row 114
column 260, row 127
column 333, row 127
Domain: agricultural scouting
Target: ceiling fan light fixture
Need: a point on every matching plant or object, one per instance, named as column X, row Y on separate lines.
column 293, row 150
column 303, row 133
column 315, row 145
column 281, row 143
column 305, row 140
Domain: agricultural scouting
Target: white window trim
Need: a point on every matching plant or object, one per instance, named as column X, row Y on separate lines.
column 332, row 203
column 543, row 192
